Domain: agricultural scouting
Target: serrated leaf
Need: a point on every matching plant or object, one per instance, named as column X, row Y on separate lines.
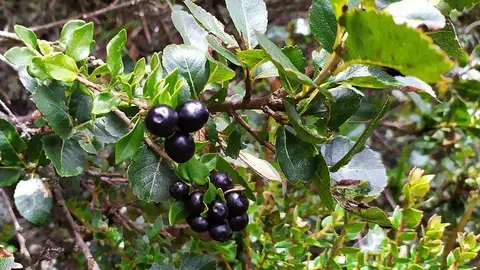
column 373, row 38
column 128, row 145
column 67, row 156
column 262, row 167
column 209, row 22
column 104, row 103
column 60, row 67
column 447, row 40
column 192, row 34
column 27, row 36
column 374, row 215
column 51, row 103
column 193, row 171
column 114, row 53
column 295, row 157
column 33, row 200
column 198, row 262
column 150, row 176
column 19, row 56
column 366, row 76
column 176, row 212
column 79, row 45
column 67, row 30
column 223, row 166
column 108, row 129
column 320, row 58
column 416, row 13
column 191, row 64
column 9, row 176
column 347, row 102
column 219, row 72
column 222, row 51
column 265, row 70
column 365, row 165
column 249, row 17
column 323, row 23
column 310, row 135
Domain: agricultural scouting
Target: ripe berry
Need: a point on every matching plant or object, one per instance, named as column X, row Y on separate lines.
column 220, row 232
column 218, row 210
column 221, row 180
column 195, row 203
column 238, row 223
column 179, row 190
column 180, row 147
column 192, row 115
column 237, row 203
column 161, row 120
column 197, row 223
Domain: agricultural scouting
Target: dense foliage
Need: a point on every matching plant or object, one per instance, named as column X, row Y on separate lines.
column 188, row 134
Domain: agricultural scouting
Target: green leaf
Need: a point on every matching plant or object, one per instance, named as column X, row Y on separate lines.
column 323, row 23
column 176, row 212
column 130, row 143
column 150, row 176
column 51, row 103
column 9, row 176
column 60, row 67
column 37, row 69
column 191, row 64
column 363, row 166
column 209, row 22
column 67, row 156
column 33, row 200
column 322, row 182
column 320, row 59
column 193, row 171
column 81, row 104
column 100, row 70
column 19, row 56
column 114, row 53
column 11, row 144
column 223, row 166
column 366, row 76
column 219, row 72
column 423, row 14
column 265, row 70
column 461, row 4
column 108, row 129
column 295, row 157
column 307, row 134
column 347, row 102
column 252, row 58
column 139, row 71
column 79, row 45
column 412, row 217
column 374, row 215
column 211, row 194
column 234, row 142
column 198, row 262
column 67, row 30
column 104, row 103
column 295, row 54
column 222, row 51
column 447, row 40
column 373, row 38
column 249, row 16
column 45, row 47
column 27, row 36
column 262, row 167
column 282, row 62
column 152, row 79
column 192, row 34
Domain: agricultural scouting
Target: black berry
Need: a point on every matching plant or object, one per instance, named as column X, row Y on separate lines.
column 179, row 190
column 237, row 203
column 180, row 147
column 220, row 232
column 197, row 223
column 238, row 223
column 192, row 115
column 195, row 203
column 161, row 120
column 221, row 180
column 218, row 210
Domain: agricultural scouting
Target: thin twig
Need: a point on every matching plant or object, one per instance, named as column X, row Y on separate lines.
column 8, row 35
column 18, row 229
column 92, row 264
column 237, row 118
column 19, row 124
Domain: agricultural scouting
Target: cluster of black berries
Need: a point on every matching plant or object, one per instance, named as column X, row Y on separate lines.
column 222, row 218
column 175, row 125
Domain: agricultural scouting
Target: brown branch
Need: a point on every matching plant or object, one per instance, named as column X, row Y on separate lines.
column 237, row 118
column 19, row 124
column 92, row 264
column 274, row 101
column 248, row 87
column 86, row 16
column 18, row 229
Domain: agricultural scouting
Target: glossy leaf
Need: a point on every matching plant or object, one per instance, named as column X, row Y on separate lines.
column 308, row 134
column 193, row 171
column 190, row 31
column 374, row 215
column 347, row 102
column 79, row 45
column 139, row 71
column 262, row 167
column 198, row 261
column 67, row 156
column 67, row 30
column 222, row 51
column 322, row 182
column 11, row 144
column 33, row 200
column 461, row 4
column 9, row 176
column 128, row 145
column 219, row 72
column 295, row 54
column 176, row 212
column 104, row 103
column 27, row 36
column 422, row 14
column 150, row 176
column 447, row 40
column 19, row 56
column 114, row 53
column 366, row 76
column 60, row 67
column 323, row 23
column 234, row 142
column 252, row 58
column 249, row 17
